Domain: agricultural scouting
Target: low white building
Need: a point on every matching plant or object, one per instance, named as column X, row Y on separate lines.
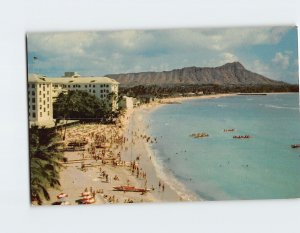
column 126, row 102
column 43, row 91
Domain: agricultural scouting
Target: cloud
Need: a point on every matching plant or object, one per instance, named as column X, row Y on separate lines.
column 106, row 52
column 77, row 43
column 72, row 43
column 225, row 39
column 282, row 59
column 262, row 68
column 228, row 57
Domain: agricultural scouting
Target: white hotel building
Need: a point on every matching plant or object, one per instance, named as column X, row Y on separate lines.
column 43, row 91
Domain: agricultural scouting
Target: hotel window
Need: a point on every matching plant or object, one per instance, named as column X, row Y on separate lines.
column 29, row 106
column 47, row 99
column 93, row 91
column 44, row 109
column 101, row 85
column 85, row 86
column 106, row 85
column 90, row 90
column 33, row 93
column 68, row 85
column 40, row 99
column 47, row 105
column 89, row 85
column 48, row 113
column 40, row 93
column 47, row 92
column 44, row 96
column 41, row 114
column 78, row 85
column 43, row 87
column 40, row 106
column 33, row 115
column 74, row 85
column 33, row 107
column 33, row 100
column 101, row 96
column 40, row 85
column 44, row 102
column 101, row 91
column 93, row 85
column 32, row 85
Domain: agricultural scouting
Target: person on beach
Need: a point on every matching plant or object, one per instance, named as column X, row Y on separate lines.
column 163, row 187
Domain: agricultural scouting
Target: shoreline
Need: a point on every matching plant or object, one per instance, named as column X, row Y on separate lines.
column 147, row 159
column 131, row 127
column 173, row 184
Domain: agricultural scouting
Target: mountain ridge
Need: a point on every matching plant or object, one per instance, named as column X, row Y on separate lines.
column 228, row 74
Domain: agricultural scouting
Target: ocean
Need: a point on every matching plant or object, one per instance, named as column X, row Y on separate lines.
column 219, row 167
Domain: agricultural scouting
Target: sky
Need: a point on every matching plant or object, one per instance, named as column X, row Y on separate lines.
column 270, row 51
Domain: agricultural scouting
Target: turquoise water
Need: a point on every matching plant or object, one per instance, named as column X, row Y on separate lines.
column 220, row 167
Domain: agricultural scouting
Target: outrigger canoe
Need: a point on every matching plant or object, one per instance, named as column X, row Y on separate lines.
column 126, row 188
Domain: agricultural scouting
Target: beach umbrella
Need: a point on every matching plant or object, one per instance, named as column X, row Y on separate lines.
column 85, row 194
column 87, row 197
column 89, row 201
column 62, row 195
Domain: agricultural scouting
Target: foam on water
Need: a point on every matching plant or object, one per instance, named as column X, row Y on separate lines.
column 168, row 177
column 283, row 107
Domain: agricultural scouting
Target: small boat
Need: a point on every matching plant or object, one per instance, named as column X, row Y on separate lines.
column 199, row 135
column 295, row 146
column 242, row 137
column 126, row 188
column 229, row 130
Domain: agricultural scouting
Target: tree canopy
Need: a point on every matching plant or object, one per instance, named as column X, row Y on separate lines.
column 173, row 90
column 80, row 105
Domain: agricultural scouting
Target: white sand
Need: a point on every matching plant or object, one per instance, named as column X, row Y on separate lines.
column 74, row 181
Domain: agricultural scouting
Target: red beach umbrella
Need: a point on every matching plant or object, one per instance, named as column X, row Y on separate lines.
column 62, row 195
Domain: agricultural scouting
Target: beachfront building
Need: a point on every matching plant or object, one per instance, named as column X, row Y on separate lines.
column 126, row 102
column 40, row 109
column 43, row 92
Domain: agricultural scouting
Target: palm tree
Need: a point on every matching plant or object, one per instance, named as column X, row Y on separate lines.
column 45, row 162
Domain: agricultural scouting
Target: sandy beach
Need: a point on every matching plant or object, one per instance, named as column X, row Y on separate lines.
column 128, row 160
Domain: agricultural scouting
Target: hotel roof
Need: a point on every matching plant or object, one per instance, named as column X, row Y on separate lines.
column 36, row 78
column 71, row 80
